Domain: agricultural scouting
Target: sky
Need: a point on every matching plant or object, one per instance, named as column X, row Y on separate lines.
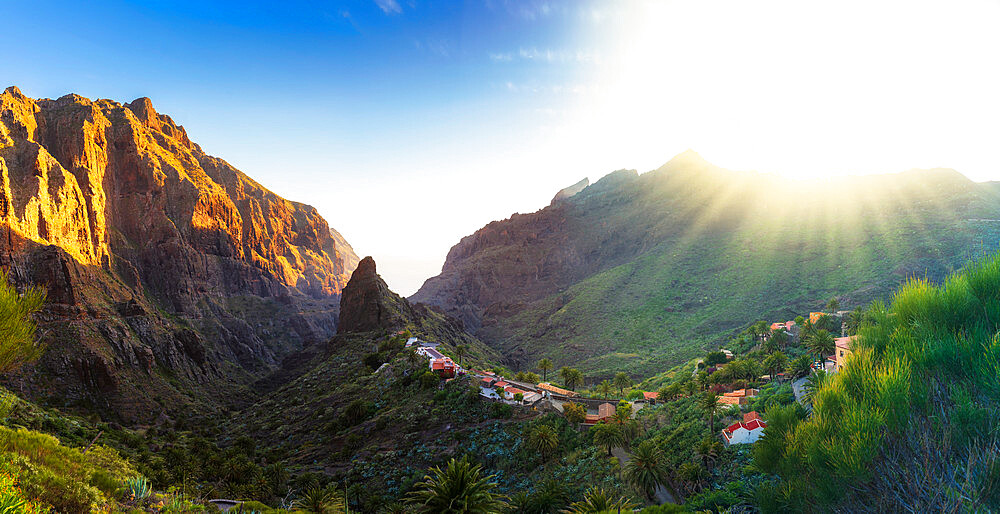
column 411, row 123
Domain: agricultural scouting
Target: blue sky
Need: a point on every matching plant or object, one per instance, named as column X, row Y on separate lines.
column 411, row 123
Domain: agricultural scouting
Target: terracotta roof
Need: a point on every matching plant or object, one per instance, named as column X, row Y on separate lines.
column 501, row 383
column 750, row 416
column 844, row 342
column 646, row 395
column 605, row 410
column 557, row 390
column 511, row 390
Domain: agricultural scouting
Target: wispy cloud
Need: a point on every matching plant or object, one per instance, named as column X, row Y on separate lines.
column 547, row 55
column 389, row 6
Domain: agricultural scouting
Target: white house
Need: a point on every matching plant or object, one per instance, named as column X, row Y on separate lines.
column 745, row 432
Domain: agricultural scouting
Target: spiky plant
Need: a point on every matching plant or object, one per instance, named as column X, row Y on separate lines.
column 137, row 488
column 458, row 488
column 597, row 500
column 647, row 468
column 319, row 500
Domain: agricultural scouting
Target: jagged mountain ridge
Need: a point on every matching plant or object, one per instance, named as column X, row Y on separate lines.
column 166, row 267
column 641, row 272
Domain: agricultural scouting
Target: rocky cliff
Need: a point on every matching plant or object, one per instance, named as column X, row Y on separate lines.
column 368, row 305
column 640, row 272
column 166, row 267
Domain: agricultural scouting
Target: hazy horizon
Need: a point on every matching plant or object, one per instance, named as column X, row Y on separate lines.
column 410, row 124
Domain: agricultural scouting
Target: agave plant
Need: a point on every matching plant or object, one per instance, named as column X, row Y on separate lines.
column 597, row 500
column 137, row 488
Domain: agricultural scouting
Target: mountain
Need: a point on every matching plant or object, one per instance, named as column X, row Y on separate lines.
column 642, row 272
column 167, row 269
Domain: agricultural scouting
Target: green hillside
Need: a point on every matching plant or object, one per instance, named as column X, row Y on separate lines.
column 643, row 272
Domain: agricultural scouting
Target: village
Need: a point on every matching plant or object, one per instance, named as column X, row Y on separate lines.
column 731, row 402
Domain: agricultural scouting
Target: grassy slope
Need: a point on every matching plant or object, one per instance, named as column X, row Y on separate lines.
column 702, row 283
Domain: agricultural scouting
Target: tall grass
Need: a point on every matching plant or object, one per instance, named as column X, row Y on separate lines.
column 17, row 329
column 925, row 367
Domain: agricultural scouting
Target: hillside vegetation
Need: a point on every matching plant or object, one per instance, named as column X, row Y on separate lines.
column 643, row 272
column 909, row 425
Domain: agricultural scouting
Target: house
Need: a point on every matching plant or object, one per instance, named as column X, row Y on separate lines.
column 510, row 391
column 531, row 397
column 444, row 367
column 786, row 326
column 488, row 382
column 604, row 411
column 729, row 354
column 650, row 397
column 842, row 351
column 545, row 386
column 738, row 397
column 744, row 432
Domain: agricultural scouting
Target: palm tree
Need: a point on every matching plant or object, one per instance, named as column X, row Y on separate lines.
column 775, row 363
column 780, row 338
column 630, row 430
column 574, row 379
column 854, row 321
column 459, row 488
column 574, row 412
column 813, row 384
column 708, row 450
column 832, row 305
column 545, row 365
column 564, row 374
column 821, row 343
column 597, row 500
column 693, row 475
column 543, row 439
column 460, row 352
column 604, row 388
column 710, row 404
column 319, row 500
column 607, row 435
column 622, row 381
column 647, row 468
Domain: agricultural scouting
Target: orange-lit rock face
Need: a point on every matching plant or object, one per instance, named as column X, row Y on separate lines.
column 155, row 256
column 62, row 160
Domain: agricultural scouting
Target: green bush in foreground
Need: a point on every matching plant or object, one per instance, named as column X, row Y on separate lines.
column 909, row 423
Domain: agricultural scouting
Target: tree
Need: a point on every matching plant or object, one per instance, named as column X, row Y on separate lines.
column 813, row 385
column 573, row 379
column 607, row 435
column 458, row 488
column 545, row 365
column 821, row 343
column 714, row 358
column 320, row 501
column 574, row 412
column 668, row 392
column 460, row 352
column 854, row 321
column 709, row 403
column 519, row 397
column 18, row 345
column 543, row 439
column 622, row 382
column 520, row 376
column 564, row 374
column 647, row 469
column 623, row 411
column 708, row 450
column 832, row 305
column 604, row 388
column 597, row 500
column 531, row 378
column 693, row 475
column 775, row 363
column 800, row 367
column 630, row 430
column 780, row 338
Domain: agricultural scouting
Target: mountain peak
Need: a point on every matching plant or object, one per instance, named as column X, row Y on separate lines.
column 367, row 304
column 687, row 159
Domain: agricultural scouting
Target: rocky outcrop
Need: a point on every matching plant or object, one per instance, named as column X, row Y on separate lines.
column 567, row 192
column 156, row 255
column 368, row 305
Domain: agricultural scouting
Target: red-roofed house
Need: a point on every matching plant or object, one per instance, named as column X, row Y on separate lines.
column 488, row 382
column 738, row 397
column 744, row 432
column 750, row 416
column 444, row 367
column 501, row 383
column 650, row 397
